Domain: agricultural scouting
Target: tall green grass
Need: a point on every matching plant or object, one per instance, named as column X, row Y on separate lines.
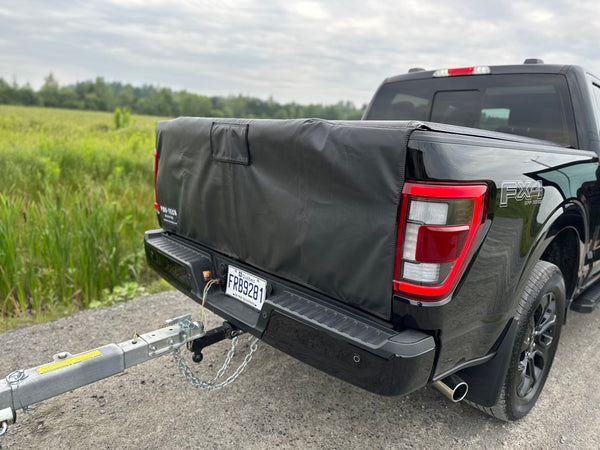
column 76, row 195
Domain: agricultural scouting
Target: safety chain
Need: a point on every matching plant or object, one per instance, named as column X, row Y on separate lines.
column 216, row 383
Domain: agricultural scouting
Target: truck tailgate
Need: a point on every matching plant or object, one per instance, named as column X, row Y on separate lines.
column 311, row 201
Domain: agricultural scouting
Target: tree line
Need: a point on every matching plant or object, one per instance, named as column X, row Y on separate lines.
column 99, row 95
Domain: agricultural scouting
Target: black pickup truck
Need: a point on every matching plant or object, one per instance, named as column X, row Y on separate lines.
column 440, row 240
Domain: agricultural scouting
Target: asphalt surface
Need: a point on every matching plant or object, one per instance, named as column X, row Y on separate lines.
column 278, row 402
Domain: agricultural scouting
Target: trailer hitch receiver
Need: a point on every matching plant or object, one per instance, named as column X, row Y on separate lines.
column 226, row 331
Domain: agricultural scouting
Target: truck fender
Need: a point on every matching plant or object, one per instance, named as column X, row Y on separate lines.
column 567, row 220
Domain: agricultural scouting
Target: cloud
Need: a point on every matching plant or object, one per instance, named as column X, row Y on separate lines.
column 311, row 10
column 306, row 51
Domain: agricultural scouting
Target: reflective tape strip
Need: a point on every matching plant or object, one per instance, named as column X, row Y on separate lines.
column 69, row 362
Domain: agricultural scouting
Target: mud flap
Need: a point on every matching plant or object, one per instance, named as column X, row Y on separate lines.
column 485, row 381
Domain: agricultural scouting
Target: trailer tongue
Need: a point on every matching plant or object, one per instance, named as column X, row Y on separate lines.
column 23, row 388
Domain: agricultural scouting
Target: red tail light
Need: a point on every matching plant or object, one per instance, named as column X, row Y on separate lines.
column 439, row 226
column 155, row 173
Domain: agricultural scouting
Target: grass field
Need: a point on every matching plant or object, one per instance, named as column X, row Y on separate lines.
column 76, row 195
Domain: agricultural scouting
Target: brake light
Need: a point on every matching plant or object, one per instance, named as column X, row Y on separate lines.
column 439, row 226
column 478, row 70
column 155, row 173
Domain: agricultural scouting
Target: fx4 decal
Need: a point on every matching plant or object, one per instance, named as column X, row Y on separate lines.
column 529, row 192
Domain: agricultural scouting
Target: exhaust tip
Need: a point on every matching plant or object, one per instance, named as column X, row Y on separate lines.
column 453, row 388
column 460, row 392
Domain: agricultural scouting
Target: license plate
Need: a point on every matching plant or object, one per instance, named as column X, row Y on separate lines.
column 246, row 287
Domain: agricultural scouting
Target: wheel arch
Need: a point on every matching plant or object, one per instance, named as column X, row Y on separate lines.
column 565, row 248
column 562, row 243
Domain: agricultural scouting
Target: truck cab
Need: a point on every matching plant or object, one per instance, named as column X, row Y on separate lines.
column 541, row 101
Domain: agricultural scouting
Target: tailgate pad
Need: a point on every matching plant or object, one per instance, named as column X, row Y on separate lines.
column 311, row 201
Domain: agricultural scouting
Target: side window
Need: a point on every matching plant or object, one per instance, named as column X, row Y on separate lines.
column 596, row 91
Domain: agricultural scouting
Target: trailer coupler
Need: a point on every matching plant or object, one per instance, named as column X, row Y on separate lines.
column 67, row 372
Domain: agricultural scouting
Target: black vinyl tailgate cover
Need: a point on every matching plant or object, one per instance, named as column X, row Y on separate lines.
column 312, row 201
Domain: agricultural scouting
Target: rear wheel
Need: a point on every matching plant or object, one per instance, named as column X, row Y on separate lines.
column 541, row 313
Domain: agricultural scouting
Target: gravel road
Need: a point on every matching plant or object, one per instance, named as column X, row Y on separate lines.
column 278, row 402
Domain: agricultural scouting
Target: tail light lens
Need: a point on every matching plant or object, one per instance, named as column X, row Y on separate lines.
column 155, row 173
column 439, row 226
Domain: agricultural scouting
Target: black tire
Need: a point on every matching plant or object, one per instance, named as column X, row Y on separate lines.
column 541, row 313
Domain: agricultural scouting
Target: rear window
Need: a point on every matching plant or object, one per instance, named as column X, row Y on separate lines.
column 532, row 105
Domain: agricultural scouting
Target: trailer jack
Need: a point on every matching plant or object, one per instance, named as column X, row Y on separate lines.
column 67, row 372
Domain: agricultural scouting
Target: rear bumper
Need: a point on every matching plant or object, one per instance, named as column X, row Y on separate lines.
column 337, row 340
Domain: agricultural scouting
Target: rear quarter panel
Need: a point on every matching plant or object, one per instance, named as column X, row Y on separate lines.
column 530, row 187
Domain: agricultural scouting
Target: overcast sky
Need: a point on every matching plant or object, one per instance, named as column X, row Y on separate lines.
column 304, row 51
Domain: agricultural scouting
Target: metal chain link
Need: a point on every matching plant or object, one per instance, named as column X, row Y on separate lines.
column 215, row 383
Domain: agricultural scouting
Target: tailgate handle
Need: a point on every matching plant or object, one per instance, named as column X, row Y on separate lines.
column 229, row 143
